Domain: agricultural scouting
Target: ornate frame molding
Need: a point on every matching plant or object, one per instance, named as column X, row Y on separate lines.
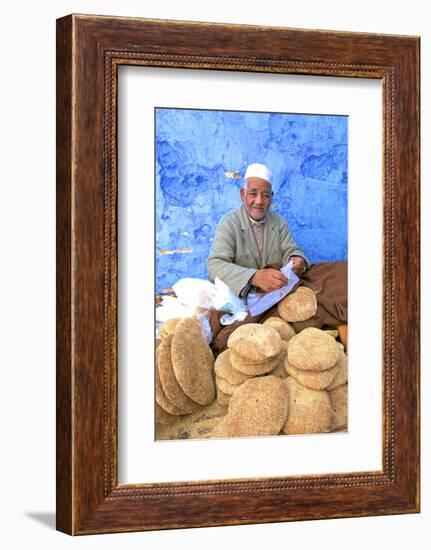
column 90, row 49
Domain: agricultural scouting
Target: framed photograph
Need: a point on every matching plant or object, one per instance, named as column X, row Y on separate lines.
column 308, row 158
column 165, row 130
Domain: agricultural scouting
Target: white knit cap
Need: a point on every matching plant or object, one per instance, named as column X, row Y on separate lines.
column 257, row 170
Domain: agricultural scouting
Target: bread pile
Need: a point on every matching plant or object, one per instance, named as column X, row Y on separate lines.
column 185, row 370
column 308, row 394
column 285, row 376
column 253, row 350
column 299, row 308
column 316, row 365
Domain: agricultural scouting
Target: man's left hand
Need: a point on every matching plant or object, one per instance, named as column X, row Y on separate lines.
column 298, row 266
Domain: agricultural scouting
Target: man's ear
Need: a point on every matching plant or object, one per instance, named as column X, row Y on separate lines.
column 242, row 193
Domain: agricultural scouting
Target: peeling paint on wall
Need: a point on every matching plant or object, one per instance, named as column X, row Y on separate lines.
column 176, row 251
column 201, row 157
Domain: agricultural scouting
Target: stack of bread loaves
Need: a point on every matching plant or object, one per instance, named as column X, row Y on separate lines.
column 284, row 376
column 185, row 370
column 249, row 379
column 253, row 350
column 317, row 364
column 312, row 397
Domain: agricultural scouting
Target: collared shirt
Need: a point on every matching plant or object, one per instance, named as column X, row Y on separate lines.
column 258, row 230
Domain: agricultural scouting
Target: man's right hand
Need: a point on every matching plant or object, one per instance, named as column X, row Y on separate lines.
column 269, row 279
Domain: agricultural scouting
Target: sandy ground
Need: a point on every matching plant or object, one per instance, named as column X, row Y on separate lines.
column 198, row 425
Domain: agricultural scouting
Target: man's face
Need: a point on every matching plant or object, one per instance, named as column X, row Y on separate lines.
column 256, row 197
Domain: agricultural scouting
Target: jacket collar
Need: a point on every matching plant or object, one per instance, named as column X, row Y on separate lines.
column 243, row 218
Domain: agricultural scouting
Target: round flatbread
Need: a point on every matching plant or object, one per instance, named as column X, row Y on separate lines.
column 342, row 374
column 284, row 329
column 310, row 411
column 225, row 387
column 255, row 342
column 193, row 364
column 168, row 326
column 300, row 305
column 315, row 380
column 188, row 323
column 222, row 398
column 163, row 401
column 258, row 407
column 255, row 369
column 338, row 398
column 170, row 385
column 312, row 349
column 224, row 369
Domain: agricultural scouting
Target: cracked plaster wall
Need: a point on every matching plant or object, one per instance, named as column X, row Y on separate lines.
column 200, row 156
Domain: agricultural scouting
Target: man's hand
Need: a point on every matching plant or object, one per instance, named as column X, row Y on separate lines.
column 269, row 279
column 298, row 265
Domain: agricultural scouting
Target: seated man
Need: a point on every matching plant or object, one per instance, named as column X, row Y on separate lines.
column 252, row 244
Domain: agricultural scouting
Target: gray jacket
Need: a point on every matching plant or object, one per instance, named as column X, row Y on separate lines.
column 234, row 257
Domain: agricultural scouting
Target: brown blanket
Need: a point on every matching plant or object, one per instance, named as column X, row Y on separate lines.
column 329, row 282
column 327, row 279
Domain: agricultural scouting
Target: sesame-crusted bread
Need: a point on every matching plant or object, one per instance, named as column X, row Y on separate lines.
column 225, row 387
column 258, row 407
column 315, row 380
column 255, row 342
column 300, row 305
column 310, row 411
column 163, row 401
column 193, row 364
column 224, row 369
column 255, row 369
column 188, row 323
column 169, row 326
column 338, row 398
column 170, row 385
column 284, row 329
column 312, row 349
column 342, row 374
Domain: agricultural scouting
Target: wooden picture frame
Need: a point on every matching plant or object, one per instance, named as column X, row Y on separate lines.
column 89, row 51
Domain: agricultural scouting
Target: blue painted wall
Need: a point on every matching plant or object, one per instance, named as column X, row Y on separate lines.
column 197, row 153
